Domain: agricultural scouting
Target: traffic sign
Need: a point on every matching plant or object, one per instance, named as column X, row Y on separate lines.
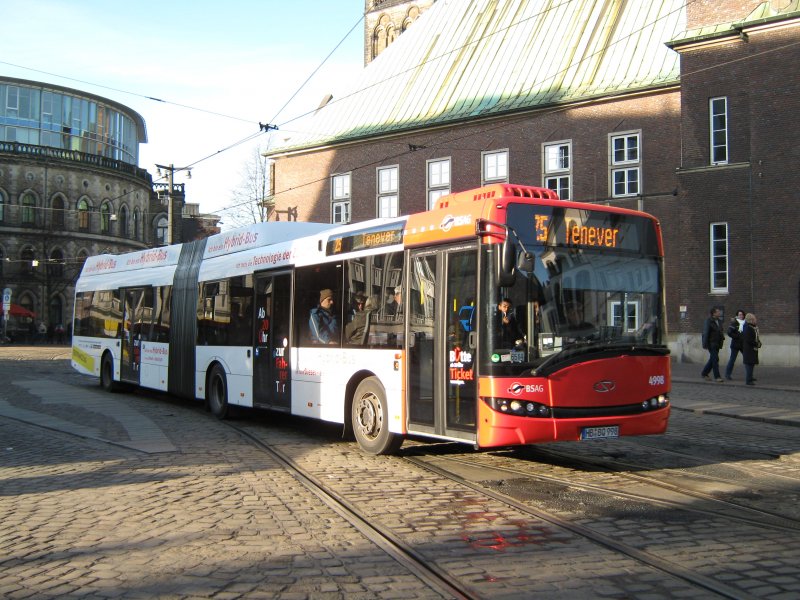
column 7, row 300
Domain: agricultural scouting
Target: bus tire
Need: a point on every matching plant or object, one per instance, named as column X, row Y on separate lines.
column 107, row 374
column 217, row 392
column 370, row 419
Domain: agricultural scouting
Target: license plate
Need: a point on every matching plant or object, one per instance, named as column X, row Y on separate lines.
column 600, row 433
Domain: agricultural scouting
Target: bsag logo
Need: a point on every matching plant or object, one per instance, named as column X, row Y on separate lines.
column 515, row 389
column 450, row 221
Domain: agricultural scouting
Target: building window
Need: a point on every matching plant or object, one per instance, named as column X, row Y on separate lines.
column 83, row 214
column 340, row 198
column 625, row 315
column 123, row 221
column 57, row 210
column 136, row 221
column 495, row 166
column 388, row 203
column 557, row 161
column 2, row 207
column 55, row 266
column 105, row 217
column 162, row 225
column 28, row 209
column 29, row 261
column 719, row 257
column 625, row 165
column 718, row 113
column 26, row 301
column 438, row 180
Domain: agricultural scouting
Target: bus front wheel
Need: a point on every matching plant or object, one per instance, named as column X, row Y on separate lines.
column 217, row 392
column 370, row 418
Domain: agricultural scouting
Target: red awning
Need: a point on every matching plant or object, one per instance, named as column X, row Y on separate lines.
column 18, row 311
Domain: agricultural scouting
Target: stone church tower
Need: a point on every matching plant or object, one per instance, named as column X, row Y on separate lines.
column 384, row 20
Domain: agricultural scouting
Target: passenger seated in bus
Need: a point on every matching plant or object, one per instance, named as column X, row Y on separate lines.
column 357, row 306
column 357, row 330
column 322, row 323
column 394, row 307
column 508, row 333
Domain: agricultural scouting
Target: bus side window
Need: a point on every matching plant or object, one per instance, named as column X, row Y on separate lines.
column 309, row 283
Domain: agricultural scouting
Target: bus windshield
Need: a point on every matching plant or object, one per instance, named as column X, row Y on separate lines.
column 591, row 283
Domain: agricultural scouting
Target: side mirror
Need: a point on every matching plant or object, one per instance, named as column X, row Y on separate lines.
column 506, row 274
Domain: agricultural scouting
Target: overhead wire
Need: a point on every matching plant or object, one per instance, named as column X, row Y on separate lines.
column 399, row 154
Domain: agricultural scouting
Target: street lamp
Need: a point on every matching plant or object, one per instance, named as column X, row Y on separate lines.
column 169, row 171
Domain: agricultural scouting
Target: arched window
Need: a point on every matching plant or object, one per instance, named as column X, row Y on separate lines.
column 56, row 316
column 28, row 204
column 55, row 266
column 105, row 217
column 161, row 230
column 27, row 256
column 57, row 212
column 83, row 214
column 136, row 221
column 122, row 221
column 26, row 301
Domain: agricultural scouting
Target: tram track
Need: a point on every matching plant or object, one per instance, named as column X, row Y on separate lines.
column 425, row 568
column 670, row 568
column 749, row 515
column 626, row 470
column 391, row 544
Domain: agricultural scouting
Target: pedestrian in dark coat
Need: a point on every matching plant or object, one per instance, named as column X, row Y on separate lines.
column 712, row 341
column 735, row 334
column 750, row 345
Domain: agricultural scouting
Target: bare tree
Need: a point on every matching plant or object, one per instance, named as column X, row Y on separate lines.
column 252, row 202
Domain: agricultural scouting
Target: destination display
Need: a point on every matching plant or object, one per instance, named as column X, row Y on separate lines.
column 376, row 237
column 554, row 226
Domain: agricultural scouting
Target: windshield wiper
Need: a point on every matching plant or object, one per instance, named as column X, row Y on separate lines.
column 576, row 354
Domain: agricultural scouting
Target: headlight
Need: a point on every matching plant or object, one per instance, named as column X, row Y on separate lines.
column 518, row 407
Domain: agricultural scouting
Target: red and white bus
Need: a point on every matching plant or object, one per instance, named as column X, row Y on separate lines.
column 419, row 344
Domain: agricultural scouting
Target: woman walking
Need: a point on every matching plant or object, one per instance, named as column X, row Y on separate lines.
column 750, row 345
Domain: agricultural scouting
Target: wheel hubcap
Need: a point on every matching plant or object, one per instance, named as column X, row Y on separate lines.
column 369, row 419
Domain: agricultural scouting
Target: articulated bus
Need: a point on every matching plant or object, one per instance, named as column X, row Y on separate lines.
column 504, row 316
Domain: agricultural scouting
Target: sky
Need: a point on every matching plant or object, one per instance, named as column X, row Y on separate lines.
column 221, row 68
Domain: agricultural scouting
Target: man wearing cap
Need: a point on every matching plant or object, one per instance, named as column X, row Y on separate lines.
column 322, row 322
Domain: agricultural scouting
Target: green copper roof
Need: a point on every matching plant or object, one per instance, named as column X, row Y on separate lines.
column 479, row 58
column 764, row 14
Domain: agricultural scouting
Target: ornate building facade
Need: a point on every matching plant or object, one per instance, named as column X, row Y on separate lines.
column 385, row 20
column 70, row 187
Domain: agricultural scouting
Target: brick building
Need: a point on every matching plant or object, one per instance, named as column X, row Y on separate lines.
column 680, row 109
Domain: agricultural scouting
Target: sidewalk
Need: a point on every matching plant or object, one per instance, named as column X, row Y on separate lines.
column 772, row 378
column 780, row 405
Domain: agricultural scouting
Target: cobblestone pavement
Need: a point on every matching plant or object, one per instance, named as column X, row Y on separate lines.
column 141, row 496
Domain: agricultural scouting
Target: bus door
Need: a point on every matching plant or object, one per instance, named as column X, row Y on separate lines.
column 271, row 384
column 442, row 301
column 135, row 328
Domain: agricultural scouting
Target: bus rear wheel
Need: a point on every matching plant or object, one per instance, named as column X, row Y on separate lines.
column 217, row 392
column 370, row 418
column 107, row 374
